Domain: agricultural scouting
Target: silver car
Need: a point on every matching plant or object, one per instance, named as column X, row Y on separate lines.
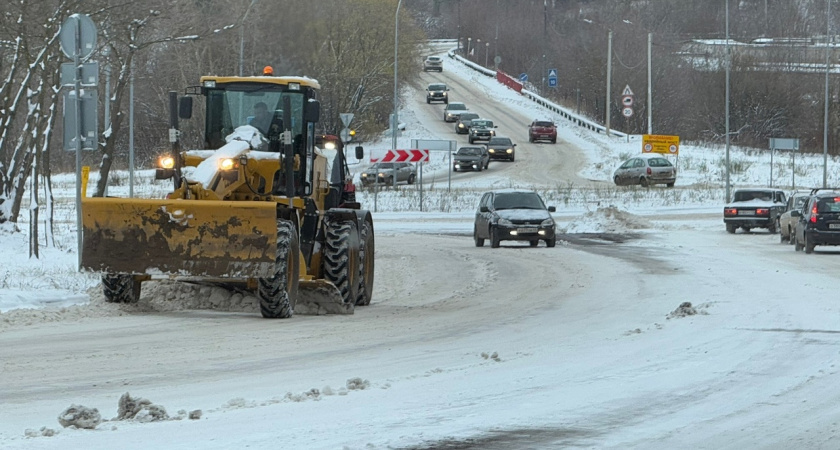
column 645, row 170
column 384, row 173
column 787, row 223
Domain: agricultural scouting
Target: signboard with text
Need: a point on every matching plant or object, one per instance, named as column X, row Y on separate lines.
column 657, row 143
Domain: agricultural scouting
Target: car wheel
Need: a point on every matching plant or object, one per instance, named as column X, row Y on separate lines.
column 411, row 179
column 615, row 180
column 512, row 157
column 530, row 139
column 643, row 181
column 809, row 246
column 551, row 242
column 554, row 141
column 782, row 237
column 471, row 140
column 773, row 227
column 670, row 185
column 534, row 243
column 480, row 168
column 454, row 169
column 428, row 101
column 494, row 238
column 479, row 242
column 446, row 102
column 730, row 228
column 791, row 237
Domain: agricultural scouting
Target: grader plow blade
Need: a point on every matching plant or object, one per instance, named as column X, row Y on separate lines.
column 319, row 297
column 205, row 238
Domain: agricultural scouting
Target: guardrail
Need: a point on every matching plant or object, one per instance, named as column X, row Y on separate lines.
column 514, row 84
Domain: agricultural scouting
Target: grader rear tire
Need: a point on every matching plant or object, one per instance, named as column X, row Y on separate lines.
column 278, row 294
column 120, row 288
column 366, row 249
column 341, row 259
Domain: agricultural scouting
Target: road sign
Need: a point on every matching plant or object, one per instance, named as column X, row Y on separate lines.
column 413, row 155
column 627, row 112
column 552, row 73
column 90, row 74
column 345, row 135
column 552, row 82
column 784, row 144
column 78, row 32
column 497, row 60
column 627, row 91
column 346, row 118
column 523, row 77
column 88, row 127
column 627, row 100
column 655, row 143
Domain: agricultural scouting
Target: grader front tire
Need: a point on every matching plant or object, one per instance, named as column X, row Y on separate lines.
column 278, row 294
column 120, row 288
column 366, row 250
column 341, row 259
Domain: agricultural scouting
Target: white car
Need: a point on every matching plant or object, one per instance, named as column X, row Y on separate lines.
column 787, row 224
column 433, row 63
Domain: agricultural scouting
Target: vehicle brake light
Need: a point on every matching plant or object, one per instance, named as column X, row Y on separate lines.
column 730, row 211
column 762, row 211
column 649, row 171
column 814, row 214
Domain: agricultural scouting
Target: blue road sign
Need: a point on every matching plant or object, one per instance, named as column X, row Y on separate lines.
column 523, row 77
column 552, row 73
column 552, row 82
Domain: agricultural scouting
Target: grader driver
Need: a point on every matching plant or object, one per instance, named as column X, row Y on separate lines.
column 259, row 205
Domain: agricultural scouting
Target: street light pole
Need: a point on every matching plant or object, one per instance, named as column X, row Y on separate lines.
column 396, row 98
column 486, row 52
column 827, row 70
column 609, row 82
column 242, row 37
column 727, row 64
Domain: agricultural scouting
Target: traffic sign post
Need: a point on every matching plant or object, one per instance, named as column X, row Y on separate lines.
column 523, row 77
column 552, row 77
column 346, row 118
column 627, row 100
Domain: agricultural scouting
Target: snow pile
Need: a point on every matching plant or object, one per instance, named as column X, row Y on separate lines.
column 607, row 219
column 685, row 309
column 79, row 416
column 139, row 409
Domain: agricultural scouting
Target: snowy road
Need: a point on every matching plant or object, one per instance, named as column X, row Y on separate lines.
column 580, row 334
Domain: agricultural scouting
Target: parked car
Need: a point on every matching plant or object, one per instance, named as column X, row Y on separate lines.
column 481, row 130
column 542, row 130
column 646, row 170
column 819, row 220
column 437, row 92
column 471, row 158
column 787, row 222
column 501, row 147
column 462, row 125
column 453, row 110
column 513, row 215
column 384, row 172
column 433, row 63
column 754, row 208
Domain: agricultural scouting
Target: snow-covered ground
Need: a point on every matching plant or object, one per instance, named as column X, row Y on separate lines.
column 648, row 327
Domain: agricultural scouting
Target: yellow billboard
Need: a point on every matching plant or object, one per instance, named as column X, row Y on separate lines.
column 658, row 143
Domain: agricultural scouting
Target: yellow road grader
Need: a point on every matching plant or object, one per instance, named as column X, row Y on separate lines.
column 264, row 205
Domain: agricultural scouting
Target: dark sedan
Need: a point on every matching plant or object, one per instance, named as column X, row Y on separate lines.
column 513, row 215
column 471, row 158
column 501, row 147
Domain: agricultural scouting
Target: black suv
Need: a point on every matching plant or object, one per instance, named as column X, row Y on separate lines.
column 819, row 220
column 437, row 92
column 481, row 130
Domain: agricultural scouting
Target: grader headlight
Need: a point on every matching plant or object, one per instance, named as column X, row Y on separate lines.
column 227, row 164
column 166, row 162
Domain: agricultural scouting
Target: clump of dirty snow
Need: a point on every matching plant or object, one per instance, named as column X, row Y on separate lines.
column 494, row 356
column 312, row 394
column 80, row 416
column 685, row 309
column 608, row 219
column 43, row 432
column 357, row 383
column 139, row 409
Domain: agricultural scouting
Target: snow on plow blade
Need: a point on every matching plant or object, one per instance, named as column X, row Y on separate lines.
column 319, row 297
column 179, row 237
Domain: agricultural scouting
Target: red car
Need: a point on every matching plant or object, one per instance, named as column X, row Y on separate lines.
column 542, row 130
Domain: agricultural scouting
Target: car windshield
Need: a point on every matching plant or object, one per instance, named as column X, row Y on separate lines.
column 468, row 116
column 518, row 200
column 379, row 166
column 500, row 141
column 437, row 87
column 543, row 124
column 469, row 151
column 799, row 202
column 458, row 106
column 659, row 162
column 482, row 123
column 433, row 58
column 745, row 196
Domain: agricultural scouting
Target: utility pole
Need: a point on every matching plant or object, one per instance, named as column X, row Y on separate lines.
column 609, row 81
column 727, row 63
column 827, row 70
column 394, row 125
column 650, row 85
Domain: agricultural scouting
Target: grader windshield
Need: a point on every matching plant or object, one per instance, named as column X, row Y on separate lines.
column 255, row 101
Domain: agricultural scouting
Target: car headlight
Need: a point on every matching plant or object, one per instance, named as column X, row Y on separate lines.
column 547, row 223
column 364, row 175
column 444, row 94
column 505, row 223
column 460, row 125
column 510, row 150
